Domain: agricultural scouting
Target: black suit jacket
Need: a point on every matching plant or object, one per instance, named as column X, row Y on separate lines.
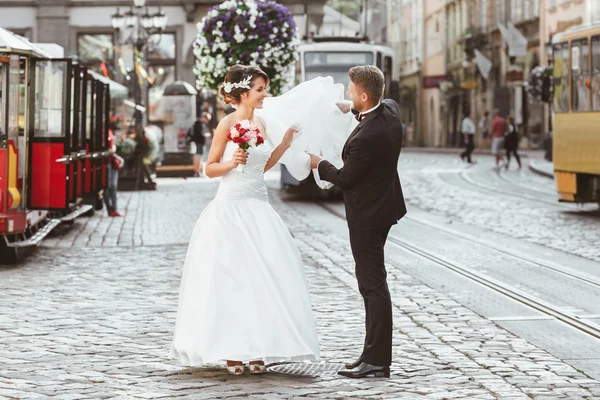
column 369, row 178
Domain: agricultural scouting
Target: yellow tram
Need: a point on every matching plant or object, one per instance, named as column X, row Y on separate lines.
column 576, row 123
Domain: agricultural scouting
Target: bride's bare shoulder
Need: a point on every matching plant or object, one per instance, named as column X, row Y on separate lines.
column 225, row 125
column 262, row 125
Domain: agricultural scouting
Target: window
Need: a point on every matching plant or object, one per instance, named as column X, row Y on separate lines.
column 499, row 12
column 49, row 97
column 595, row 79
column 580, row 76
column 516, row 10
column 162, row 60
column 561, row 76
column 165, row 49
column 484, row 16
column 161, row 76
column 96, row 52
column 595, row 11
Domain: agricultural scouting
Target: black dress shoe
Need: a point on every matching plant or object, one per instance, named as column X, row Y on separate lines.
column 364, row 370
column 354, row 364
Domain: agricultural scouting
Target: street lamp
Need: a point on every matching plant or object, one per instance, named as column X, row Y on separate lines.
column 141, row 30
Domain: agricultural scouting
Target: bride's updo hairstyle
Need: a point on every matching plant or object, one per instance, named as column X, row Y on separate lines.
column 235, row 78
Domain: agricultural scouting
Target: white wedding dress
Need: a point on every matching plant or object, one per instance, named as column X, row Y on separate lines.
column 243, row 293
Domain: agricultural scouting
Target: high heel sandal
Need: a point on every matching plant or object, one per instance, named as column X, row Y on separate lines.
column 235, row 369
column 257, row 368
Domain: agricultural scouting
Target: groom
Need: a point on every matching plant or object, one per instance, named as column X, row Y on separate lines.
column 374, row 202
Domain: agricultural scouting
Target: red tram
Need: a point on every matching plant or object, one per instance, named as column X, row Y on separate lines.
column 54, row 121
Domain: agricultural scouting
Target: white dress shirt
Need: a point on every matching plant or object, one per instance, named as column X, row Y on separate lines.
column 368, row 111
column 468, row 126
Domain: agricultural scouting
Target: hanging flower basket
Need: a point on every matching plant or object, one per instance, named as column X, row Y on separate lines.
column 251, row 32
column 540, row 84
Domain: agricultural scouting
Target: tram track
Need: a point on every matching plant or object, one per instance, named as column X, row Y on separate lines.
column 503, row 178
column 503, row 288
column 464, row 176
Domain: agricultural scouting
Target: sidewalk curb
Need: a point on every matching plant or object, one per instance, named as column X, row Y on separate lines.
column 458, row 150
column 539, row 171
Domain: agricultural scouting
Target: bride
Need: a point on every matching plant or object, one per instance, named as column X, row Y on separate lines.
column 243, row 295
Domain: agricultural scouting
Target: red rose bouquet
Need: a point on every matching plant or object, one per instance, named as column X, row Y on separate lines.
column 245, row 134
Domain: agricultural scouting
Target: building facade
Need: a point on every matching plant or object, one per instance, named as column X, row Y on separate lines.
column 434, row 73
column 84, row 29
column 410, row 62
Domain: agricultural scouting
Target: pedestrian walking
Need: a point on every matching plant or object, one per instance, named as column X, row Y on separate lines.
column 498, row 130
column 206, row 119
column 512, row 142
column 115, row 163
column 196, row 135
column 484, row 126
column 468, row 131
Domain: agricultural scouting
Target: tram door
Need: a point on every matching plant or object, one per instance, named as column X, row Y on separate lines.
column 49, row 135
column 77, row 102
column 89, row 131
column 101, row 138
column 98, row 139
column 105, row 160
column 11, row 152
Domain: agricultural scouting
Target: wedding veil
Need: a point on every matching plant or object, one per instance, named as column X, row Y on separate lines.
column 322, row 127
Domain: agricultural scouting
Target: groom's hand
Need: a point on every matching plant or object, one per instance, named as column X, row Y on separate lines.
column 314, row 160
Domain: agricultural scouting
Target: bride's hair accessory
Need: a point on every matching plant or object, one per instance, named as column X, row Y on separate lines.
column 244, row 83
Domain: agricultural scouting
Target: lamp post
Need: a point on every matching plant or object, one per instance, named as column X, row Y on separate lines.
column 141, row 29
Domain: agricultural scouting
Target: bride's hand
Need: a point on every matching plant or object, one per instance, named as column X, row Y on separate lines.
column 344, row 106
column 289, row 136
column 239, row 157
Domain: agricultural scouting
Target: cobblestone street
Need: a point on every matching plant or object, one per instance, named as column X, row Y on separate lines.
column 90, row 314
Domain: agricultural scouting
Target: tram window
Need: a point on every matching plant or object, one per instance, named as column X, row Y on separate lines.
column 22, row 98
column 2, row 102
column 88, row 112
column 14, row 100
column 595, row 78
column 561, row 77
column 580, row 75
column 379, row 61
column 49, row 97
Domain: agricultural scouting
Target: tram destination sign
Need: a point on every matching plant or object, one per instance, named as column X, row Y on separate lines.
column 321, row 58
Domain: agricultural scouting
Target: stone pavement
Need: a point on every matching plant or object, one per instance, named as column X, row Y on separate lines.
column 90, row 315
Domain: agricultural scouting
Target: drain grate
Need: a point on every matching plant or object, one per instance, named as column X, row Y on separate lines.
column 306, row 369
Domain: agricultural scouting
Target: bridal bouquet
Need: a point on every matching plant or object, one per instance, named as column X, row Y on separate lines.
column 245, row 134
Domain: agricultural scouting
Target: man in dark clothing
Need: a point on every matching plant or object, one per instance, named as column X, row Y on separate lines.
column 374, row 202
